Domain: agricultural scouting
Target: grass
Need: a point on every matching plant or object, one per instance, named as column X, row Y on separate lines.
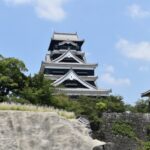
column 34, row 108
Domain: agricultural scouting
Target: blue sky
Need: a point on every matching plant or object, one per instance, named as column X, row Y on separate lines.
column 116, row 33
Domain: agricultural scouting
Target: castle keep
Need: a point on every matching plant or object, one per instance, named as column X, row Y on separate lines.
column 66, row 66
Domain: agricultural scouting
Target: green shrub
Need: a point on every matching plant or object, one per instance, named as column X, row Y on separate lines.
column 101, row 106
column 124, row 129
column 146, row 145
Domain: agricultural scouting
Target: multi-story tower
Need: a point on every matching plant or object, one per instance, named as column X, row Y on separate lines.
column 66, row 66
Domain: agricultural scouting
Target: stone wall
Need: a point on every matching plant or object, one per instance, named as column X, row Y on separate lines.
column 42, row 131
column 139, row 122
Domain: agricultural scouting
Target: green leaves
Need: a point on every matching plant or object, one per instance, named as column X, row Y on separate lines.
column 124, row 129
column 142, row 106
column 38, row 90
column 146, row 145
column 12, row 77
column 101, row 106
column 17, row 87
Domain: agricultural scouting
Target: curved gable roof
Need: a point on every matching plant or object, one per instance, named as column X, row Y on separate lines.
column 68, row 54
column 71, row 75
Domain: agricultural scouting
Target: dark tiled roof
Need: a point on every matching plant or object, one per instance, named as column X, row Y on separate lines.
column 147, row 93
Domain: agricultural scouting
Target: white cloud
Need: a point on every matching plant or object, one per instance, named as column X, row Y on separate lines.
column 110, row 79
column 48, row 9
column 109, row 68
column 140, row 51
column 51, row 9
column 135, row 11
column 17, row 2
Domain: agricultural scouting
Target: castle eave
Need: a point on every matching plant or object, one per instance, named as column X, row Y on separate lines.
column 85, row 78
column 68, row 65
column 84, row 92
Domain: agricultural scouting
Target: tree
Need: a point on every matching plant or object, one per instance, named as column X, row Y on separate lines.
column 130, row 108
column 142, row 106
column 38, row 90
column 101, row 106
column 12, row 77
column 116, row 104
column 111, row 104
column 16, row 86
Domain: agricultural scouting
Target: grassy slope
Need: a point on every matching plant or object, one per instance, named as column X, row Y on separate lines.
column 19, row 107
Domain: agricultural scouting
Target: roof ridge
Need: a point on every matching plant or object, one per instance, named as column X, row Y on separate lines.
column 66, row 33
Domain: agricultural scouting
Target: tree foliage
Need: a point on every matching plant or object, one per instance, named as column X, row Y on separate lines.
column 142, row 106
column 111, row 104
column 37, row 90
column 16, row 86
column 12, row 78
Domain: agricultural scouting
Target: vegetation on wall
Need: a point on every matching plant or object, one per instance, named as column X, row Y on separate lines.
column 146, row 145
column 126, row 129
column 123, row 128
column 148, row 132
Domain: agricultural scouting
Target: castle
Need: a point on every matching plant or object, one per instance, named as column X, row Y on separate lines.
column 67, row 67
